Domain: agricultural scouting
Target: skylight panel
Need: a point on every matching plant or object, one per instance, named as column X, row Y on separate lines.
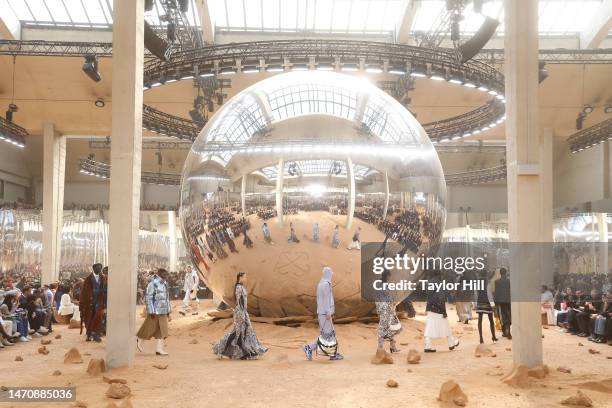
column 253, row 14
column 235, row 13
column 289, row 15
column 270, row 14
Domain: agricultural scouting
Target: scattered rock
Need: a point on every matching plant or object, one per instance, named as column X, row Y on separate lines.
column 45, row 341
column 80, row 404
column 467, row 328
column 483, row 351
column 382, row 357
column 451, row 391
column 404, row 343
column 580, row 344
column 580, row 399
column 18, row 358
column 96, row 366
column 409, row 371
column 508, row 348
column 73, row 356
column 413, row 357
column 391, row 383
column 593, row 351
column 419, row 337
column 494, row 373
column 538, row 372
column 566, row 370
column 518, row 377
column 58, row 336
column 118, row 391
column 193, row 341
column 57, row 372
column 113, row 380
column 43, row 350
column 160, row 366
column 604, row 385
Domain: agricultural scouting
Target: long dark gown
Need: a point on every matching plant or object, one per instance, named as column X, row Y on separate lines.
column 241, row 342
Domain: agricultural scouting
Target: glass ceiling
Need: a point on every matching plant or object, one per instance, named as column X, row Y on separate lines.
column 318, row 168
column 556, row 17
column 373, row 17
column 79, row 13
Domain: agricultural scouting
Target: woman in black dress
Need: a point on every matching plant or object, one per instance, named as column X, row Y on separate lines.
column 483, row 300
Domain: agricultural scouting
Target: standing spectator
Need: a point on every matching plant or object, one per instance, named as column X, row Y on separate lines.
column 501, row 297
column 92, row 304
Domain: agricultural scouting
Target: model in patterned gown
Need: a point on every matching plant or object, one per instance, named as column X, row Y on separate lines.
column 241, row 342
column 388, row 323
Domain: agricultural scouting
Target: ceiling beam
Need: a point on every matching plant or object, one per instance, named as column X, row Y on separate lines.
column 206, row 21
column 407, row 14
column 597, row 29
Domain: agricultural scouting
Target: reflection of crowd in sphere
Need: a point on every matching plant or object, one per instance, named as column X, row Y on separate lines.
column 407, row 226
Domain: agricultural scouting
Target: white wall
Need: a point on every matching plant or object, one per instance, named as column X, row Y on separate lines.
column 162, row 195
column 486, row 198
column 579, row 177
column 14, row 173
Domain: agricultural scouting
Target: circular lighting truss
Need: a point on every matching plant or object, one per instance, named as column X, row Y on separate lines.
column 482, row 176
column 590, row 137
column 101, row 170
column 332, row 55
column 12, row 133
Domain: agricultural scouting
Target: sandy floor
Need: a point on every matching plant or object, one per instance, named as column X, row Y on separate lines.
column 283, row 378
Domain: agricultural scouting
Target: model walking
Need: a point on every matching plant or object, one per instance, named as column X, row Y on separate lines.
column 326, row 342
column 241, row 342
column 190, row 286
column 336, row 237
column 436, row 324
column 155, row 325
column 315, row 232
column 483, row 301
column 388, row 323
column 266, row 233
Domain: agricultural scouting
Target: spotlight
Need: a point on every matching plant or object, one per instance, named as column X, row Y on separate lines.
column 587, row 109
column 542, row 71
column 99, row 103
column 12, row 108
column 473, row 46
column 157, row 45
column 148, row 5
column 608, row 109
column 91, row 68
column 580, row 120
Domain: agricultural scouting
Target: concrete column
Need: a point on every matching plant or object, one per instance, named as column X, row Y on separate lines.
column 350, row 175
column 172, row 237
column 126, row 152
column 525, row 203
column 54, row 167
column 243, row 194
column 386, row 207
column 602, row 227
column 280, row 175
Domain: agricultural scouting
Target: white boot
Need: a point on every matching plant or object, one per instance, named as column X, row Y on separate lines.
column 139, row 344
column 159, row 350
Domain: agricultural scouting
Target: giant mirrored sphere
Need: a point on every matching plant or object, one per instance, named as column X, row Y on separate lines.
column 285, row 174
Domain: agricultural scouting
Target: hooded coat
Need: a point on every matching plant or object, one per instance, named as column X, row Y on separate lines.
column 325, row 295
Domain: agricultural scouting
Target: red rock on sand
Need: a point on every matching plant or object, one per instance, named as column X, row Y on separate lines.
column 450, row 391
column 580, row 399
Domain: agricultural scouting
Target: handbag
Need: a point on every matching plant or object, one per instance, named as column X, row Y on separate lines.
column 327, row 344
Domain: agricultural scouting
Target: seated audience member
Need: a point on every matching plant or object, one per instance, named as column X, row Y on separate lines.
column 547, row 301
column 36, row 314
column 602, row 327
column 66, row 309
column 18, row 316
column 588, row 312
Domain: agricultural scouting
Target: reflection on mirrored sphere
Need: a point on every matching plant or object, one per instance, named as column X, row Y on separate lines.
column 293, row 174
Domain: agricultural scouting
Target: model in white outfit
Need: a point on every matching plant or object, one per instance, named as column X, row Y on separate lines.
column 192, row 282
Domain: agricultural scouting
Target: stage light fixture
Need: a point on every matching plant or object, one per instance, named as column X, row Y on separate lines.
column 542, row 71
column 608, row 109
column 90, row 67
column 580, row 120
column 99, row 103
column 587, row 109
column 157, row 45
column 148, row 5
column 473, row 46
